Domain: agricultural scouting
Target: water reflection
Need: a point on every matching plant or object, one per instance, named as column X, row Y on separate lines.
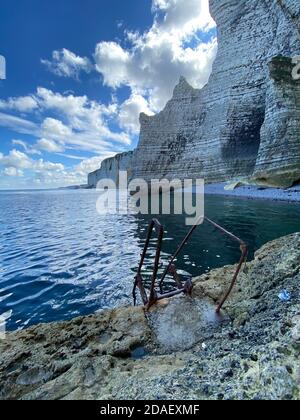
column 60, row 259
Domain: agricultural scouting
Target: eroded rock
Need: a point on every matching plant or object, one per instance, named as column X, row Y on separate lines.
column 182, row 322
column 278, row 161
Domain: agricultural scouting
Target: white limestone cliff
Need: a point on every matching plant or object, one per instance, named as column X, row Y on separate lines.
column 110, row 169
column 218, row 132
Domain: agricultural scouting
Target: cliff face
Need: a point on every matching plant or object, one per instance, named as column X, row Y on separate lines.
column 218, row 132
column 278, row 160
column 110, row 169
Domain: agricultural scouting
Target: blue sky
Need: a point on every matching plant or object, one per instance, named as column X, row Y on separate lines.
column 78, row 73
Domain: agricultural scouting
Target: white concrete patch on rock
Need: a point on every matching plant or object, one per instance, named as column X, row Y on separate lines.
column 183, row 322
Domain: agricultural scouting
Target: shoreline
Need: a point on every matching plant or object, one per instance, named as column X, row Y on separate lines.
column 289, row 195
column 252, row 192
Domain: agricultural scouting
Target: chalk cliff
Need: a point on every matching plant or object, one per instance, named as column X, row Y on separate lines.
column 111, row 167
column 245, row 121
column 278, row 160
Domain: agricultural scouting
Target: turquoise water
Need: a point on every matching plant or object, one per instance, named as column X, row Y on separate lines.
column 60, row 259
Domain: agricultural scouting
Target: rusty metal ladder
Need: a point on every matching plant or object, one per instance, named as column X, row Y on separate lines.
column 187, row 286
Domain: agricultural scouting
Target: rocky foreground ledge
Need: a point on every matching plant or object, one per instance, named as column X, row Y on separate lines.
column 181, row 350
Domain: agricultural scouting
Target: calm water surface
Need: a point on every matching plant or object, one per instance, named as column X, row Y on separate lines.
column 60, row 259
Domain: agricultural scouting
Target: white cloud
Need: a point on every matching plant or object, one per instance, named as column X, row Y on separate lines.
column 113, row 62
column 157, row 58
column 55, row 129
column 183, row 16
column 16, row 159
column 81, row 124
column 49, row 146
column 22, row 104
column 27, row 148
column 13, row 172
column 19, row 125
column 90, row 165
column 67, row 64
column 86, row 124
column 70, row 156
column 41, row 165
column 150, row 65
column 130, row 111
column 43, row 173
column 67, row 103
column 19, row 160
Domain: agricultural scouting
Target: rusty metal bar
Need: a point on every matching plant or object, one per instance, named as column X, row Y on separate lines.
column 179, row 249
column 139, row 283
column 175, row 275
column 160, row 230
column 171, row 269
column 244, row 251
column 155, row 224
